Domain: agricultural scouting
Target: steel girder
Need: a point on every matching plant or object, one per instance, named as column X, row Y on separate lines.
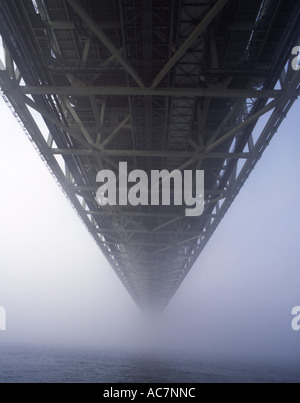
column 158, row 84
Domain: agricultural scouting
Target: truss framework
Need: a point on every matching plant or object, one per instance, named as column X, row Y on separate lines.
column 161, row 85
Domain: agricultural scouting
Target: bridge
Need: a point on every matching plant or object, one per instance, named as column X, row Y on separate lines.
column 159, row 84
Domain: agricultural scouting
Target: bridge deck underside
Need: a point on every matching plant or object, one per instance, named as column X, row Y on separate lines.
column 159, row 84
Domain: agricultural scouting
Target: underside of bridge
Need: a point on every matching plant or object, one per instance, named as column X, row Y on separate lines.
column 159, row 84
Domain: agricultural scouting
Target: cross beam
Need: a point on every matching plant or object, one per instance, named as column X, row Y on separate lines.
column 217, row 92
column 149, row 153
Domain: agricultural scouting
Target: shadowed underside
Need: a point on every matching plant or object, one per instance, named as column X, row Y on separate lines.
column 159, row 84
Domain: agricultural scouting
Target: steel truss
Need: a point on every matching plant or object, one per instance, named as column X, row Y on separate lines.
column 160, row 85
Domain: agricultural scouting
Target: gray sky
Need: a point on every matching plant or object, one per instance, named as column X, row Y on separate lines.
column 57, row 288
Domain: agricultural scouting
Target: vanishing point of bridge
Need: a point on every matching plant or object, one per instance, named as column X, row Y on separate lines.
column 159, row 84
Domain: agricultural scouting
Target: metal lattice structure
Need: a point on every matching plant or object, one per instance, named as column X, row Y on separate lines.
column 159, row 84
